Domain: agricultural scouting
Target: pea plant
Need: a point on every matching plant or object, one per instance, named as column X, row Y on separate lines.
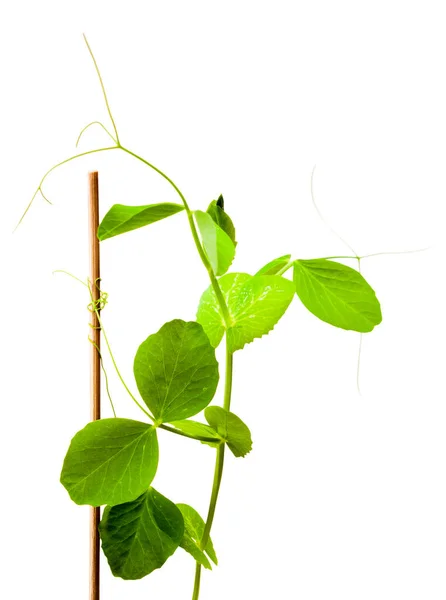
column 113, row 462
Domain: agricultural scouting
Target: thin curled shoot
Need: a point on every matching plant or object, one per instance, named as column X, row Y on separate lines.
column 104, row 93
column 101, row 302
column 95, row 123
column 53, row 168
column 355, row 257
column 92, row 307
column 322, row 217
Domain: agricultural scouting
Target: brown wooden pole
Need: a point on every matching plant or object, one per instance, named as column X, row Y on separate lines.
column 93, row 217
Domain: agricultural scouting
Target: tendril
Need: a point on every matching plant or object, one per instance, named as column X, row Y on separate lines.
column 357, row 258
column 92, row 307
column 100, row 303
column 322, row 218
column 98, row 350
column 104, row 93
column 95, row 123
column 63, row 162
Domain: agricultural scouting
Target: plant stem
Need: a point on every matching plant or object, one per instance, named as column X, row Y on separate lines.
column 172, row 183
column 197, row 581
column 228, row 376
column 218, row 471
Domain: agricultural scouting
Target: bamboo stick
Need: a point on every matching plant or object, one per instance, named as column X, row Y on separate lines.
column 93, row 217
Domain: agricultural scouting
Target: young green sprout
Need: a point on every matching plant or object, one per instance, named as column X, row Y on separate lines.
column 113, row 462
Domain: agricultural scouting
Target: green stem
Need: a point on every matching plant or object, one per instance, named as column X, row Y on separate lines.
column 63, row 162
column 197, row 581
column 228, row 377
column 172, row 183
column 218, row 472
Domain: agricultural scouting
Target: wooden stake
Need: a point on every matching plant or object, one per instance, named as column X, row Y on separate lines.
column 95, row 515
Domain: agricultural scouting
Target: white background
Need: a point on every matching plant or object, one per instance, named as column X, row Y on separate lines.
column 343, row 495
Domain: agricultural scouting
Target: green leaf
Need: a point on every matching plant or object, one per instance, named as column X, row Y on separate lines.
column 193, row 532
column 255, row 304
column 219, row 247
column 121, row 218
column 176, row 371
column 110, row 461
column 222, row 219
column 198, row 429
column 138, row 537
column 337, row 294
column 231, row 428
column 273, row 267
